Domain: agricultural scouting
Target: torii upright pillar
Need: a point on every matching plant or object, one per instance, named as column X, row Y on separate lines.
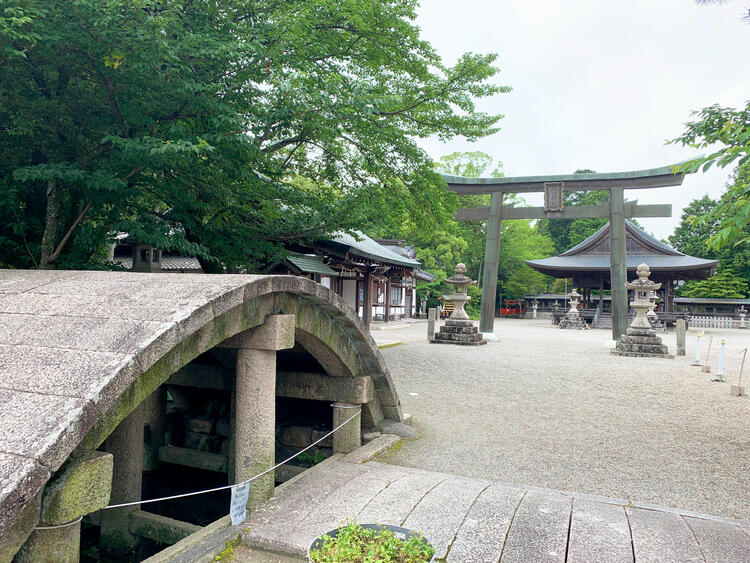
column 491, row 262
column 553, row 188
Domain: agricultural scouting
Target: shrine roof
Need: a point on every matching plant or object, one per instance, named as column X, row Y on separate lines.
column 631, row 231
column 371, row 250
column 311, row 264
column 593, row 254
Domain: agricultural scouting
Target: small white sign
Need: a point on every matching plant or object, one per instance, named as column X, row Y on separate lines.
column 238, row 504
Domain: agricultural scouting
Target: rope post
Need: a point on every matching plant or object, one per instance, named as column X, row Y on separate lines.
column 720, row 370
column 348, row 438
column 707, row 367
column 681, row 328
column 738, row 390
column 697, row 360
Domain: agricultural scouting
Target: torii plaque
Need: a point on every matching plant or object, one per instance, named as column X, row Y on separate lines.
column 553, row 188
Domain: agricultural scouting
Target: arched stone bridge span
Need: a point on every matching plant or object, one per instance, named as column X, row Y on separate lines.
column 79, row 351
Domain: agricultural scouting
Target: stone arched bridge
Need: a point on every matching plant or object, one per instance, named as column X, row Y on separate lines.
column 80, row 351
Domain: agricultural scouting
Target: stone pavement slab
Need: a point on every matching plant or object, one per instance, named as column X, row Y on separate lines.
column 348, row 500
column 440, row 513
column 470, row 520
column 394, row 503
column 599, row 529
column 719, row 543
column 482, row 534
column 662, row 537
column 539, row 531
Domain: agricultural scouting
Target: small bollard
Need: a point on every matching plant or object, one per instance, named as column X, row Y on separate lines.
column 738, row 390
column 707, row 367
column 697, row 361
column 681, row 328
column 720, row 370
column 431, row 316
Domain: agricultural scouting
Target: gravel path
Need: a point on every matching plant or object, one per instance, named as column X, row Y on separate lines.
column 551, row 408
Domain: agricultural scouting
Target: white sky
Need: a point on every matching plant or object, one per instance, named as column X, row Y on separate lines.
column 598, row 84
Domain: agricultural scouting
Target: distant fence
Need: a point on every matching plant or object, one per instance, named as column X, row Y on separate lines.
column 704, row 321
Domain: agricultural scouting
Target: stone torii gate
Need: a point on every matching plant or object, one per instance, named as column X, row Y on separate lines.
column 554, row 208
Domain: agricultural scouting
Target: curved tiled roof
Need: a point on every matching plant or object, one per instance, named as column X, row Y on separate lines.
column 658, row 255
column 368, row 248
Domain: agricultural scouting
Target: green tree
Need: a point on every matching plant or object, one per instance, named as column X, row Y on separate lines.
column 226, row 129
column 730, row 129
column 520, row 241
column 724, row 285
column 691, row 238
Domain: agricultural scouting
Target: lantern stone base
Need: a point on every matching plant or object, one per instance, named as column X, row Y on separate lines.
column 573, row 321
column 641, row 342
column 462, row 333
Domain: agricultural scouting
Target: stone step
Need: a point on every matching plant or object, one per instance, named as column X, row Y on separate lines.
column 459, row 342
column 459, row 329
column 458, row 337
column 457, row 322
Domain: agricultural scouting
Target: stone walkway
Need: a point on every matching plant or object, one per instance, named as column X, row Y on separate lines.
column 554, row 409
column 476, row 520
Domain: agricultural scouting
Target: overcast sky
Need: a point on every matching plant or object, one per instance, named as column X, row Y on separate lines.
column 598, row 84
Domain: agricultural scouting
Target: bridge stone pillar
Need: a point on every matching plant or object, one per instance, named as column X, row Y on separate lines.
column 79, row 488
column 126, row 445
column 347, row 438
column 255, row 403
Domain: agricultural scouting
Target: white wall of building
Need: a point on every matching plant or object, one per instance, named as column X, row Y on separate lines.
column 350, row 293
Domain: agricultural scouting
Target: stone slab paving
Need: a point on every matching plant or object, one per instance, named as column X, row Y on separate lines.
column 471, row 520
column 601, row 528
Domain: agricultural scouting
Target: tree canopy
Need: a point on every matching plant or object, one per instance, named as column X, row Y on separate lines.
column 730, row 129
column 224, row 129
column 693, row 237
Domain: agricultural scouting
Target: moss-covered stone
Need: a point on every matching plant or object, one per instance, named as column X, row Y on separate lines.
column 79, row 488
column 12, row 540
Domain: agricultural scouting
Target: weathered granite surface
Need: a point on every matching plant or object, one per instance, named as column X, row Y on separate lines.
column 72, row 343
column 472, row 520
column 461, row 332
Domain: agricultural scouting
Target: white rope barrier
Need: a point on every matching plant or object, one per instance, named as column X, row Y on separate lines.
column 194, row 493
column 59, row 525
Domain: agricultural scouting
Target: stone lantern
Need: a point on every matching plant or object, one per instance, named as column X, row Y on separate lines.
column 534, row 307
column 458, row 329
column 460, row 282
column 641, row 339
column 573, row 319
column 651, row 315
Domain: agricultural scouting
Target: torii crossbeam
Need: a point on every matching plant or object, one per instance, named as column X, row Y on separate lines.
column 554, row 208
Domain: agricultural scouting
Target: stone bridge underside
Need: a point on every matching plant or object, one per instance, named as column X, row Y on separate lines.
column 79, row 350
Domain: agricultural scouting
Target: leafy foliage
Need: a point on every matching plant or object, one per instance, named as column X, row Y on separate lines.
column 724, row 284
column 355, row 543
column 222, row 129
column 691, row 238
column 699, row 224
column 729, row 128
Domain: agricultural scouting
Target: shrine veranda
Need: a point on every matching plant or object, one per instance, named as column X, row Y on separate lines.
column 553, row 408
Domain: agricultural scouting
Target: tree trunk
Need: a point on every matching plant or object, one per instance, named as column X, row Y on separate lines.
column 51, row 225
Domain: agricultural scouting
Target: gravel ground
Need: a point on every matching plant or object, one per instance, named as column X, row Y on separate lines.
column 552, row 408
